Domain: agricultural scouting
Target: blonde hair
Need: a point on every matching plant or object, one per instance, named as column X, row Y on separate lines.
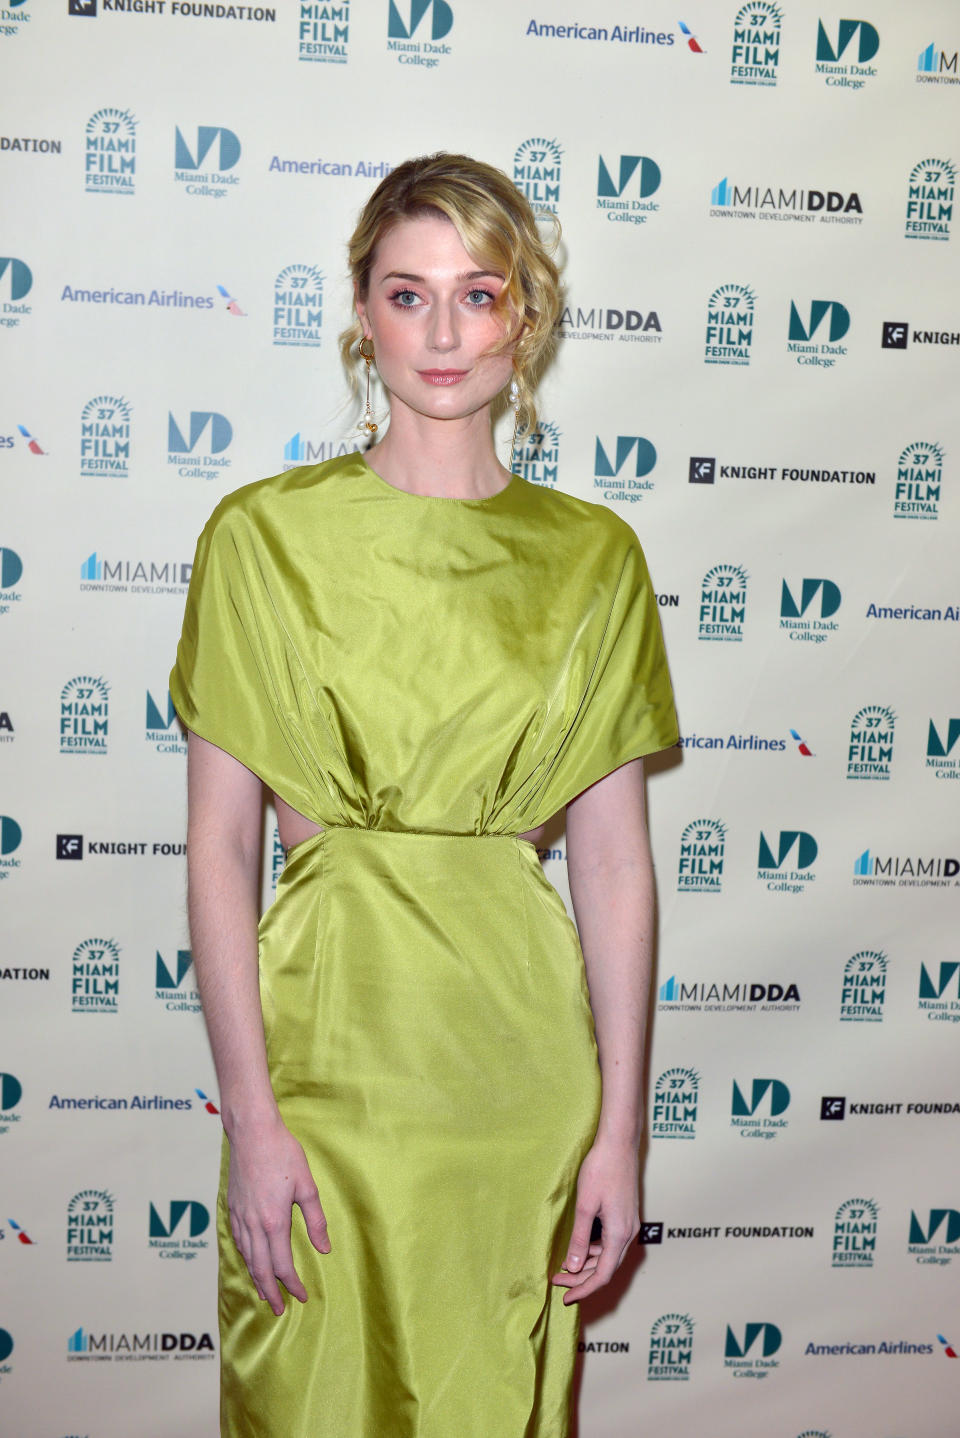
column 498, row 229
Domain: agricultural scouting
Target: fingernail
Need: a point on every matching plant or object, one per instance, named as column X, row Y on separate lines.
column 574, row 1263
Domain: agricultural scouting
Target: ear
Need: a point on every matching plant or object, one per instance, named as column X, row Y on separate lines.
column 361, row 310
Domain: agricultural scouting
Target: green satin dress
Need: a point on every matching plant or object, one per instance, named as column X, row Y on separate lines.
column 427, row 678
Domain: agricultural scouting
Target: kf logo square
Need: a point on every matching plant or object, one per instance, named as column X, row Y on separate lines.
column 69, row 846
column 895, row 335
column 650, row 1233
column 82, row 7
column 833, row 1108
column 702, row 471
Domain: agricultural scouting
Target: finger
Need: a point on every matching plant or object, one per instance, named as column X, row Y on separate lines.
column 606, row 1268
column 569, row 1280
column 261, row 1271
column 579, row 1240
column 315, row 1221
column 281, row 1264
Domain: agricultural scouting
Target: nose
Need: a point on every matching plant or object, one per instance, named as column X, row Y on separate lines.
column 444, row 331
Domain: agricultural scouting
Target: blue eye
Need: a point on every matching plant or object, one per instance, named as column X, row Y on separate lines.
column 406, row 299
column 480, row 297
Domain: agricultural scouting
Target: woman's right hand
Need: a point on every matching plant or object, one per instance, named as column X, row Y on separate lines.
column 269, row 1173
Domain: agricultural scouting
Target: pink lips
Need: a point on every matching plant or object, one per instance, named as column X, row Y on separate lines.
column 442, row 376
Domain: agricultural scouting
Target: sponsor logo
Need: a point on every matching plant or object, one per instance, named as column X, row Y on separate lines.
column 95, row 985
column 84, row 715
column 171, row 8
column 930, row 197
column 870, row 752
column 941, row 743
column 623, row 477
column 171, row 990
column 727, row 998
column 939, row 991
column 802, row 747
column 30, row 144
column 906, row 871
column 770, row 1096
column 432, row 20
column 675, row 1101
column 110, row 153
column 25, row 975
column 650, row 1233
column 537, row 455
column 772, row 861
column 178, row 1235
column 231, row 305
column 693, row 44
column 671, row 1349
column 755, row 53
column 919, row 613
column 33, row 444
column 855, row 1234
column 11, row 1092
column 19, row 1233
column 298, row 451
column 90, row 1226
column 919, row 476
column 799, row 205
column 298, row 306
column 278, row 858
column 936, row 67
column 133, row 576
column 825, row 351
column 11, row 568
column 948, row 1350
column 208, row 1104
column 729, row 325
column 197, row 447
column 12, row 15
column 704, row 471
column 897, row 336
column 702, row 845
column 6, row 1337
column 162, row 299
column 745, row 743
column 616, row 35
column 163, row 729
column 837, row 1109
column 214, row 144
column 799, row 610
column 537, row 172
column 70, row 846
column 324, row 32
column 751, row 1356
column 104, row 1103
column 864, row 988
column 624, row 187
column 16, row 281
column 7, row 734
column 733, row 1231
column 359, row 169
column 87, row 8
column 854, row 42
column 86, row 1347
column 887, row 1349
column 935, row 1236
column 723, row 603
column 105, row 437
column 605, row 322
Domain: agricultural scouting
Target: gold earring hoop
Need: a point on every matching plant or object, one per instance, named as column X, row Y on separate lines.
column 368, row 424
column 515, row 406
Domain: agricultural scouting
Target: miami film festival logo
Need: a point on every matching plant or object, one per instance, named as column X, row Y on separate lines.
column 729, row 325
column 671, row 1349
column 11, row 1092
column 175, row 1229
column 930, row 198
column 298, row 306
column 172, row 988
column 943, row 749
column 939, row 991
column 197, row 448
column 95, row 985
column 84, row 715
column 16, row 282
column 90, row 1226
column 864, row 988
column 723, row 604
column 324, row 32
column 807, row 614
column 934, row 1236
column 786, row 865
column 755, row 54
column 919, row 477
column 870, row 751
column 624, row 475
column 676, row 1097
column 105, row 437
column 162, row 727
column 752, row 1348
column 756, row 1111
column 702, row 845
column 537, row 455
column 844, row 48
column 855, row 1234
column 937, row 67
column 11, row 571
column 430, row 20
column 110, row 156
column 624, row 187
column 813, row 341
column 201, row 163
column 536, row 172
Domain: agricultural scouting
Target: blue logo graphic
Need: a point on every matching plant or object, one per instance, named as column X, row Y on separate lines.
column 10, row 836
column 110, row 155
column 648, row 178
column 868, row 42
column 946, row 1218
column 105, row 436
column 626, row 445
column 18, row 275
column 165, row 979
column 155, row 719
column 11, row 568
column 179, row 1208
column 938, row 747
column 779, row 1096
column 11, row 1092
column 6, row 1345
column 536, row 172
column 77, row 1342
column 829, row 598
column 441, row 19
column 819, row 309
column 806, row 849
column 221, row 432
column 227, row 155
column 769, row 1333
column 949, row 969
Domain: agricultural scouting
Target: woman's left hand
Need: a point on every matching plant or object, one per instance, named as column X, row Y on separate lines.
column 608, row 1188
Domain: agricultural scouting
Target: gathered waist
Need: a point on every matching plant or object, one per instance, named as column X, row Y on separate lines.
column 358, row 831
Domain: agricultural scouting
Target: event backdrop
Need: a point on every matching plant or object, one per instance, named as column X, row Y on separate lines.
column 758, row 370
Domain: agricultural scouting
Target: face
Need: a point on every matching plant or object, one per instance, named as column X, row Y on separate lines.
column 429, row 313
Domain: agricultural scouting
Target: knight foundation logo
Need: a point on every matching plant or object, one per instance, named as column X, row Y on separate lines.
column 755, row 1111
column 870, row 752
column 934, row 1236
column 324, row 32
column 620, row 469
column 723, row 603
column 785, row 864
column 172, row 988
column 537, row 455
column 16, row 282
column 84, row 715
column 298, row 306
column 175, row 1229
column 807, row 614
column 815, row 332
column 163, row 727
column 671, row 1349
column 748, row 1352
column 110, row 157
column 536, row 172
column 864, row 988
column 844, row 48
column 939, row 992
column 95, row 986
column 203, row 161
column 676, row 1097
column 729, row 325
column 624, row 187
column 702, row 845
column 755, row 54
column 105, row 437
column 90, row 1226
column 197, row 448
column 430, row 21
column 855, row 1234
column 930, row 198
column 919, row 477
column 943, row 749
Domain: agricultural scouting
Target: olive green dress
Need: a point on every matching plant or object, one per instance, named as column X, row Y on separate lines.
column 427, row 678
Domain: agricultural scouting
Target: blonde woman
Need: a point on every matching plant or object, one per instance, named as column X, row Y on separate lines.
column 423, row 657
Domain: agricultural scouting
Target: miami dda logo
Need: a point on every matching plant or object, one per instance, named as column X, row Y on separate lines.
column 537, row 172
column 799, row 205
column 943, row 753
column 749, row 1351
column 773, row 868
column 105, row 437
column 324, row 32
column 671, row 1349
column 676, row 1097
column 163, row 727
column 919, row 477
column 133, row 576
column 172, row 990
column 702, row 845
column 86, row 1347
column 855, row 1234
column 604, row 322
column 298, row 306
column 870, row 752
column 11, row 1092
column 16, row 281
column 853, row 42
column 176, row 1228
column 298, row 451
column 11, row 568
column 755, row 54
column 537, row 456
column 934, row 1236
column 726, row 998
column 624, row 187
column 930, row 199
column 864, row 988
column 197, row 447
column 805, row 323
column 729, row 325
column 430, row 20
column 913, row 871
column 84, row 715
column 807, row 614
column 936, row 67
column 95, row 986
column 90, row 1226
column 201, row 160
column 110, row 156
column 723, row 603
column 939, row 993
column 620, row 469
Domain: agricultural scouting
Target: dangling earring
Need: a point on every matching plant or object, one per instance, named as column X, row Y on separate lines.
column 515, row 405
column 368, row 424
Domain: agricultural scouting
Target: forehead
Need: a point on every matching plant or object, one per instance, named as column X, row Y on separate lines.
column 423, row 245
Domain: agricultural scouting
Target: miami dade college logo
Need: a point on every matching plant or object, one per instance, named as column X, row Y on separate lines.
column 170, row 986
column 536, row 172
column 930, row 198
column 919, row 476
column 16, row 281
column 870, row 753
column 171, row 1237
column 864, row 987
column 537, row 456
column 755, row 1349
column 798, row 610
column 110, row 156
column 214, row 143
column 405, row 19
column 936, row 1239
column 11, row 1092
column 824, row 350
column 764, row 1093
column 298, row 306
column 90, row 1227
column 163, row 727
column 606, row 472
column 105, row 437
column 184, row 443
column 675, row 1101
column 324, row 32
column 671, row 1349
column 729, row 325
column 941, row 744
column 772, row 859
column 702, row 845
column 723, row 603
column 624, row 187
column 935, row 998
column 855, row 1234
column 857, row 41
column 755, row 54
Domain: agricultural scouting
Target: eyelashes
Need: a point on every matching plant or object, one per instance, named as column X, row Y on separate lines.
column 399, row 297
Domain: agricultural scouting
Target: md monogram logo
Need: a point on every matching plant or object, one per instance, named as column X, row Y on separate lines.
column 839, row 321
column 648, row 178
column 868, row 42
column 221, row 433
column 760, row 1090
column 180, row 1208
column 16, row 277
column 400, row 28
column 806, row 846
column 633, row 455
column 770, row 1340
column 227, row 154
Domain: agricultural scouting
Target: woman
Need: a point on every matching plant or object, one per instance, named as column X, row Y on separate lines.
column 423, row 657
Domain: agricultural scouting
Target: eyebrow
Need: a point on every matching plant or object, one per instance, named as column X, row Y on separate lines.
column 470, row 275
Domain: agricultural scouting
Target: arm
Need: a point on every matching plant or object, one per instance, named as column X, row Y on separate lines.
column 268, row 1169
column 611, row 884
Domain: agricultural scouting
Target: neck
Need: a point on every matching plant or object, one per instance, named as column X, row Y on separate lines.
column 453, row 458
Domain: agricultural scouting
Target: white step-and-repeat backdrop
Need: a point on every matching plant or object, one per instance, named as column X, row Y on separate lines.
column 759, row 370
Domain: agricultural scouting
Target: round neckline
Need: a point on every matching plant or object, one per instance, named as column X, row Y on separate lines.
column 512, row 484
